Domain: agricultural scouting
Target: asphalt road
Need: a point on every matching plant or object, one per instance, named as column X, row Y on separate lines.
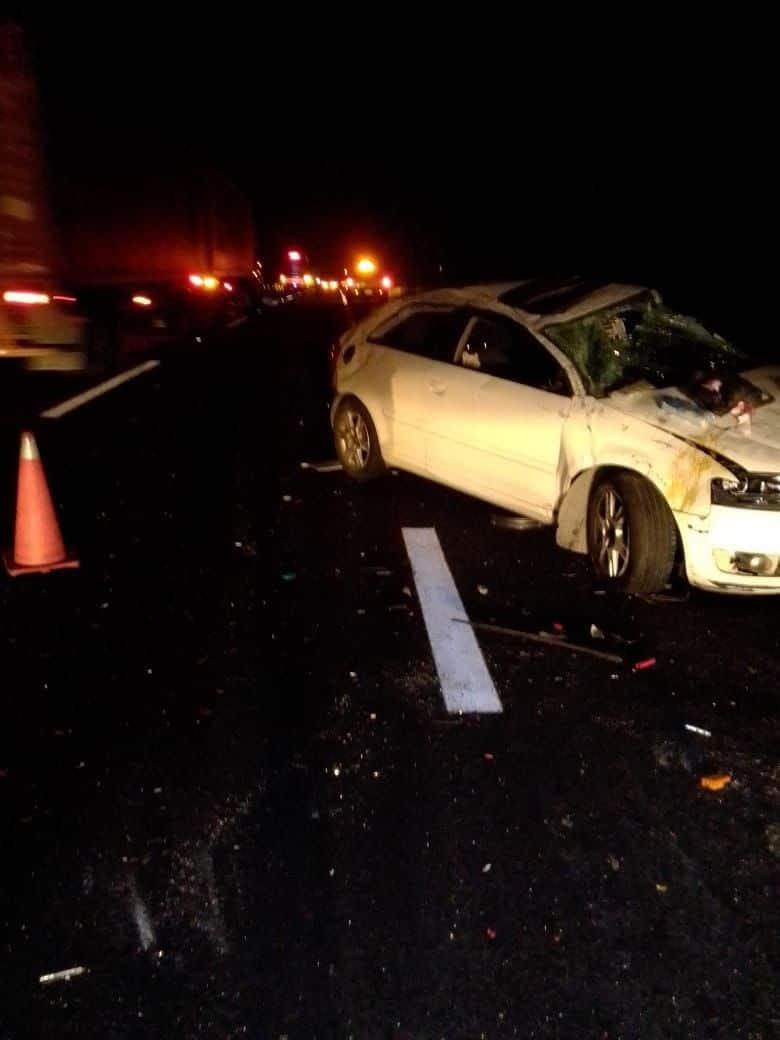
column 230, row 789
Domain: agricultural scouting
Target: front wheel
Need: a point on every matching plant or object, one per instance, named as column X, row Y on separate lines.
column 632, row 538
column 357, row 444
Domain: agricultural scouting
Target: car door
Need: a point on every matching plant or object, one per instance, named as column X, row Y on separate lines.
column 418, row 351
column 518, row 404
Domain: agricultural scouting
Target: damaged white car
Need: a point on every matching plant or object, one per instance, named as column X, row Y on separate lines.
column 591, row 407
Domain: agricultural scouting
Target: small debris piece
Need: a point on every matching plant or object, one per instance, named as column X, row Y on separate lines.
column 380, row 572
column 514, row 523
column 487, row 868
column 596, row 633
column 661, row 888
column 286, row 498
column 643, row 665
column 490, row 933
column 62, row 976
column 614, row 862
column 567, row 822
column 697, row 729
column 288, row 576
column 322, row 467
column 489, row 756
column 716, row 782
column 482, row 590
column 772, row 834
column 406, row 590
column 558, row 628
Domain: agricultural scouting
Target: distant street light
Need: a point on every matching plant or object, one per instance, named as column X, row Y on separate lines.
column 294, row 255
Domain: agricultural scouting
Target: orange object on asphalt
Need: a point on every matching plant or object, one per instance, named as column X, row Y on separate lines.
column 716, row 782
column 38, row 544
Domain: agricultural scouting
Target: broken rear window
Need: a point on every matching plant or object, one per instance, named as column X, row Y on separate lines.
column 641, row 340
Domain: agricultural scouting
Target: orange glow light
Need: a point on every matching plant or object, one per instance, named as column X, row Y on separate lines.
column 294, row 255
column 210, row 282
column 387, row 282
column 349, row 282
column 196, row 279
column 64, row 299
column 365, row 265
column 16, row 296
column 227, row 287
column 142, row 301
column 333, row 284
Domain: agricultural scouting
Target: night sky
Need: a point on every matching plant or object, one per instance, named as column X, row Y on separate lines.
column 633, row 150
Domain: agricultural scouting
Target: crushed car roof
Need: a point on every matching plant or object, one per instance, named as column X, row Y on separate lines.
column 541, row 301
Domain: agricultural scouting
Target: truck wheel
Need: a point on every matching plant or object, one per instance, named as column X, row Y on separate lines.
column 357, row 444
column 632, row 537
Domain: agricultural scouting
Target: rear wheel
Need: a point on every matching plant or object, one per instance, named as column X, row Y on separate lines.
column 357, row 444
column 632, row 538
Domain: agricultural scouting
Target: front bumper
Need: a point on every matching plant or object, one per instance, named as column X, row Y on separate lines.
column 712, row 543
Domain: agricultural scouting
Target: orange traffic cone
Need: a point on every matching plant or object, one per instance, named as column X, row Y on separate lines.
column 38, row 545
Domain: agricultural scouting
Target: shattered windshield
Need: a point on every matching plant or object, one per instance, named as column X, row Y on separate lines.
column 641, row 340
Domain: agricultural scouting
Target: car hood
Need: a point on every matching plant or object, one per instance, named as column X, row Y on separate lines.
column 751, row 441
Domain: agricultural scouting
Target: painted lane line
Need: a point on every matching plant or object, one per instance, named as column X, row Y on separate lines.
column 97, row 391
column 465, row 680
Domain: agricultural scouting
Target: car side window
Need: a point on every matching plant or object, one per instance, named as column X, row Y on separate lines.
column 504, row 349
column 433, row 333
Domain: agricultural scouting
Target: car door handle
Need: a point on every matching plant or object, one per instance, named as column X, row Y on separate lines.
column 436, row 387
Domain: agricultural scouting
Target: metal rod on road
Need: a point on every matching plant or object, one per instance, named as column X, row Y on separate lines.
column 546, row 640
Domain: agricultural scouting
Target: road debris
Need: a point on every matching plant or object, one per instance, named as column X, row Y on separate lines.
column 614, row 862
column 661, row 888
column 697, row 729
column 491, row 933
column 62, row 976
column 514, row 523
column 772, row 834
column 716, row 782
column 322, row 467
column 487, row 868
column 380, row 572
column 482, row 590
column 544, row 638
column 489, row 756
column 644, row 664
column 288, row 575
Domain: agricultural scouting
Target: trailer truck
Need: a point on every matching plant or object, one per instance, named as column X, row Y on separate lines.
column 95, row 260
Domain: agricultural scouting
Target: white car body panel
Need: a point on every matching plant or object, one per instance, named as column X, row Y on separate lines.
column 537, row 452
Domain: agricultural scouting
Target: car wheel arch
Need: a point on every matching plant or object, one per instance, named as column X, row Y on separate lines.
column 572, row 514
column 377, row 416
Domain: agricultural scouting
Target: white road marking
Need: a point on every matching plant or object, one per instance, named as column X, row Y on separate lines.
column 465, row 680
column 97, row 391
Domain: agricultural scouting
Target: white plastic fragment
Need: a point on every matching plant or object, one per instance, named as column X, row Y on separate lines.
column 62, row 976
column 697, row 729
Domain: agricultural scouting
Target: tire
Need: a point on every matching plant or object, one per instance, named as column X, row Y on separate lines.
column 357, row 444
column 632, row 537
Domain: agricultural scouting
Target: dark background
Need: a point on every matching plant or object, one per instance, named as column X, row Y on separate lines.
column 475, row 146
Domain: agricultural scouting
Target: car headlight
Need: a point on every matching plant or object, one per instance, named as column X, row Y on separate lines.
column 748, row 490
